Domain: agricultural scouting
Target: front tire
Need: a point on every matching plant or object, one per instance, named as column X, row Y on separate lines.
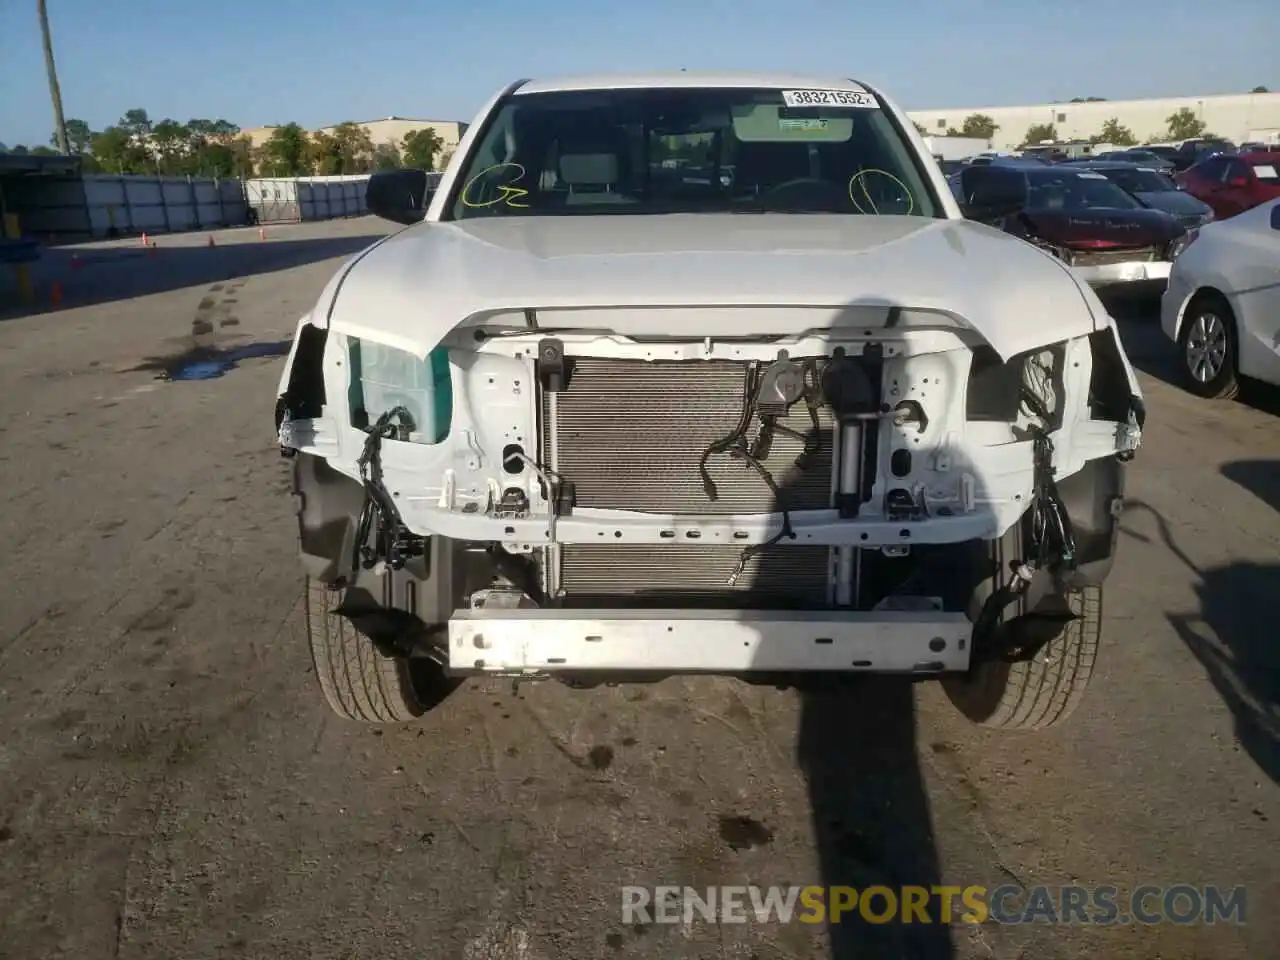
column 1041, row 692
column 1207, row 344
column 358, row 681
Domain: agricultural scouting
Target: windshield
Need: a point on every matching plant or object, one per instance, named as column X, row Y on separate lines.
column 1139, row 181
column 1078, row 191
column 692, row 150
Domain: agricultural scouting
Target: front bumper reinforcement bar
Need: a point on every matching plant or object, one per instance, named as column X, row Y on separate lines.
column 515, row 641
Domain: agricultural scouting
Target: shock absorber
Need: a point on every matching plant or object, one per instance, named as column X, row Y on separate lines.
column 851, row 386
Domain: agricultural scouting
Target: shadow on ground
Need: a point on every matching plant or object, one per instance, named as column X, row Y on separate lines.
column 1233, row 635
column 856, row 748
column 1150, row 351
column 106, row 274
column 871, row 819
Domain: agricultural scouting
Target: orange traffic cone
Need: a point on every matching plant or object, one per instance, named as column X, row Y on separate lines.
column 262, row 233
column 144, row 238
column 55, row 294
column 211, row 243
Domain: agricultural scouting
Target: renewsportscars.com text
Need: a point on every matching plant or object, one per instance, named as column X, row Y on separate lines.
column 1010, row 904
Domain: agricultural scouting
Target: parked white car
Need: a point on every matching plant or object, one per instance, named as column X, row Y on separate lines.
column 1222, row 304
column 590, row 417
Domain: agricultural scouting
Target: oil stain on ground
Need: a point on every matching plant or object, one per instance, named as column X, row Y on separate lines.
column 206, row 359
column 209, row 363
column 744, row 833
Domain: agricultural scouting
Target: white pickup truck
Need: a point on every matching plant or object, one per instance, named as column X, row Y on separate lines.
column 772, row 410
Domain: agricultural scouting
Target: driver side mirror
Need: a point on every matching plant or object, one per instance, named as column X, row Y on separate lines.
column 992, row 193
column 400, row 196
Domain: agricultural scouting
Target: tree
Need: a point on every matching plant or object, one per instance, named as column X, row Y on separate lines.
column 1184, row 124
column 354, row 146
column 171, row 142
column 324, row 155
column 1040, row 131
column 386, row 156
column 116, row 150
column 136, row 122
column 979, row 125
column 59, row 123
column 43, row 151
column 420, row 147
column 1259, row 90
column 19, row 150
column 285, row 153
column 78, row 137
column 1088, row 100
column 223, row 131
column 1114, row 132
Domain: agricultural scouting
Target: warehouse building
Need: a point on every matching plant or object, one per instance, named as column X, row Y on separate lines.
column 1238, row 117
column 387, row 130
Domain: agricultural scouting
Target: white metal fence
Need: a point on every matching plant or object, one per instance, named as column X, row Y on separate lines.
column 131, row 204
column 306, row 198
column 70, row 208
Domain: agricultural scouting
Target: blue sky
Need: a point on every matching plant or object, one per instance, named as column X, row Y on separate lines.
column 322, row 61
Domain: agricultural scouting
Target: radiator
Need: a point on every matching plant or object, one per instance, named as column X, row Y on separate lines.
column 629, row 435
column 685, row 574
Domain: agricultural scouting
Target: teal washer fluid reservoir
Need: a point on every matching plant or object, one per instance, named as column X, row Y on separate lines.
column 382, row 378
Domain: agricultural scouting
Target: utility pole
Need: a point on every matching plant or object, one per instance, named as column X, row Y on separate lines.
column 59, row 122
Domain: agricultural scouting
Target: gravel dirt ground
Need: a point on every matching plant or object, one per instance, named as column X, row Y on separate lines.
column 172, row 786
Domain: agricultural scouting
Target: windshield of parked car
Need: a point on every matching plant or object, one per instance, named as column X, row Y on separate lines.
column 691, row 150
column 1137, row 180
column 1059, row 190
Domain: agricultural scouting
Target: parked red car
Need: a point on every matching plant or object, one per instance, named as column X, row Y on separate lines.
column 1233, row 184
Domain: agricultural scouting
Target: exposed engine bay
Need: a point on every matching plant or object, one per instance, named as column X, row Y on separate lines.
column 850, row 440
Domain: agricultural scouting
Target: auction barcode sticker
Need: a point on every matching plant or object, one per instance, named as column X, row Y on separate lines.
column 829, row 98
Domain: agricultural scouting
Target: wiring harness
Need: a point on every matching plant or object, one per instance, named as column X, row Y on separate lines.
column 381, row 536
column 753, row 453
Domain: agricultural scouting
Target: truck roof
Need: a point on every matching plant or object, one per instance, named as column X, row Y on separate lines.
column 683, row 78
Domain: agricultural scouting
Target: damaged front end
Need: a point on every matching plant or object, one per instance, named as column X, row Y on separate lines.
column 561, row 491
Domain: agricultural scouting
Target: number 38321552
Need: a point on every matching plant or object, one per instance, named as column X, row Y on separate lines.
column 828, row 98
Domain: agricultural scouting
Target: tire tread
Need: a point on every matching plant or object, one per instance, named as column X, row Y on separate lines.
column 1044, row 691
column 357, row 681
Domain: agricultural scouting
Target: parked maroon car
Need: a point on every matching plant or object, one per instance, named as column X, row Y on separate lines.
column 1234, row 184
column 1104, row 234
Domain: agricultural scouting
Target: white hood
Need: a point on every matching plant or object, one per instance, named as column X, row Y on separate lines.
column 412, row 288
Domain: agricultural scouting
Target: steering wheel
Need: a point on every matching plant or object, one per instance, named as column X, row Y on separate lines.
column 828, row 191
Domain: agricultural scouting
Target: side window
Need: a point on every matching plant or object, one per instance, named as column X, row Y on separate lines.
column 1236, row 169
column 1212, row 169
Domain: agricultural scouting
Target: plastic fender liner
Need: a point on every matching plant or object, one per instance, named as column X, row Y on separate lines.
column 429, row 587
column 1093, row 497
column 328, row 513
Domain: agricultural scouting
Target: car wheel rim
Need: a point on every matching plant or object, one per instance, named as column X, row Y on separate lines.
column 1206, row 347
